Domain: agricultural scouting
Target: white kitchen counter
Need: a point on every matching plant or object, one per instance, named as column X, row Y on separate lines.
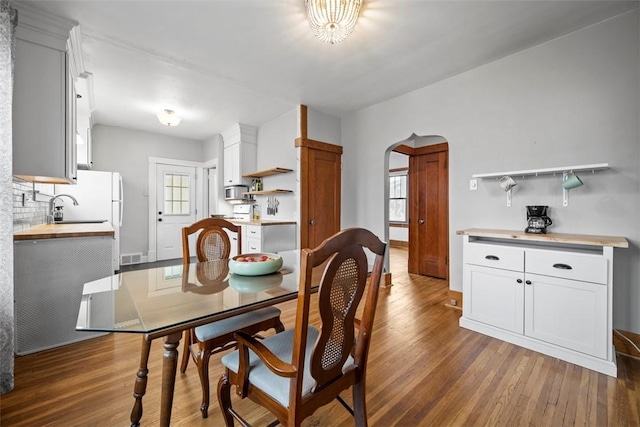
column 262, row 222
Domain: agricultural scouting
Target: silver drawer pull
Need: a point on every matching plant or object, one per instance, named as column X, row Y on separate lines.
column 492, row 258
column 563, row 266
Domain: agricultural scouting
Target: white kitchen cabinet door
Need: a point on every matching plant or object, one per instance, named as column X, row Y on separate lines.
column 43, row 95
column 239, row 159
column 231, row 170
column 233, row 241
column 568, row 313
column 494, row 297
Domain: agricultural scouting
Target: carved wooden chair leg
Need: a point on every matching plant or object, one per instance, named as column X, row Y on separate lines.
column 359, row 404
column 186, row 352
column 203, row 371
column 224, row 399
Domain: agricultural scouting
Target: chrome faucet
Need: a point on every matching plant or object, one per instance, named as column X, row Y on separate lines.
column 52, row 202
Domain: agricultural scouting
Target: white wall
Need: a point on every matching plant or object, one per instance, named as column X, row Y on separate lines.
column 570, row 101
column 127, row 151
column 275, row 148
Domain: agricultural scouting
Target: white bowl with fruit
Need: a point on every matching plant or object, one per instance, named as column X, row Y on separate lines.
column 256, row 264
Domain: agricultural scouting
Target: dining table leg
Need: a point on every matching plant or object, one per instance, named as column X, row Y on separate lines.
column 169, row 368
column 140, row 387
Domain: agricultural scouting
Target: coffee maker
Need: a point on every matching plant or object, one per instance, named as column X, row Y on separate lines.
column 537, row 219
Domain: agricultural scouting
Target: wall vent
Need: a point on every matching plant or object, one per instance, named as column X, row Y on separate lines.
column 128, row 259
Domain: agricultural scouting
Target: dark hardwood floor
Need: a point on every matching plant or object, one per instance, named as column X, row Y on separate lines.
column 424, row 370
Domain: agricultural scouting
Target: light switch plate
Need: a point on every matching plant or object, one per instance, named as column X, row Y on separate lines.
column 473, row 184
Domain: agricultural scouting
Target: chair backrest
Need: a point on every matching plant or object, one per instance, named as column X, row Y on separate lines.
column 341, row 289
column 213, row 242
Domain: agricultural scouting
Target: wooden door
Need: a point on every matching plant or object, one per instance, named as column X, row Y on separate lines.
column 320, row 196
column 429, row 211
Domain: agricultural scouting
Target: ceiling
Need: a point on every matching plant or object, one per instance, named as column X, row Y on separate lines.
column 220, row 62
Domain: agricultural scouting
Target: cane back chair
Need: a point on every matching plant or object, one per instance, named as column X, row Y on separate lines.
column 203, row 341
column 295, row 372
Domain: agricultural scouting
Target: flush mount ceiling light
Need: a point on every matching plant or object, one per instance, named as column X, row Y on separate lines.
column 333, row 20
column 169, row 118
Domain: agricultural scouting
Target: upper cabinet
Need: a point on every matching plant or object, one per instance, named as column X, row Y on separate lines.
column 44, row 99
column 240, row 152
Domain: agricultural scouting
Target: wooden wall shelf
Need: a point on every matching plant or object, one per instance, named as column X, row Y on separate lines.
column 268, row 192
column 267, row 172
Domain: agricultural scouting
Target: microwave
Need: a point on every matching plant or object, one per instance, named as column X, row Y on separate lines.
column 234, row 193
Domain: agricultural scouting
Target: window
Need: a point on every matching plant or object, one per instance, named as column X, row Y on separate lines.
column 176, row 194
column 398, row 197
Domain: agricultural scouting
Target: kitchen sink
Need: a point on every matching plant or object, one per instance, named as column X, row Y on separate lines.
column 81, row 221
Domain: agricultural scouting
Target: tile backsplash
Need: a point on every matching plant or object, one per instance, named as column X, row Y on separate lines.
column 27, row 212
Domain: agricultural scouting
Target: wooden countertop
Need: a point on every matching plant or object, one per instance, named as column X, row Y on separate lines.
column 262, row 222
column 52, row 231
column 576, row 239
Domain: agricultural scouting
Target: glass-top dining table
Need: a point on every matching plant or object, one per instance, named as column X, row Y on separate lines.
column 163, row 302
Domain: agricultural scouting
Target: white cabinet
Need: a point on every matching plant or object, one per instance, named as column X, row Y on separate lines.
column 268, row 238
column 567, row 313
column 240, row 152
column 238, row 159
column 494, row 297
column 49, row 277
column 552, row 295
column 233, row 241
column 43, row 105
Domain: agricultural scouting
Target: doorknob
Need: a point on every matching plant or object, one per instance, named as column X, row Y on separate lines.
column 160, row 213
column 159, row 219
column 312, row 222
column 421, row 221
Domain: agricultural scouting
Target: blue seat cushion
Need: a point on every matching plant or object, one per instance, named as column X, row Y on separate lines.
column 282, row 346
column 235, row 323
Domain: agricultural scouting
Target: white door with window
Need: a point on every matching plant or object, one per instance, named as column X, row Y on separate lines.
column 175, row 207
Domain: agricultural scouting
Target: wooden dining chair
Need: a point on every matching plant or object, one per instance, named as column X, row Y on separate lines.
column 295, row 372
column 203, row 341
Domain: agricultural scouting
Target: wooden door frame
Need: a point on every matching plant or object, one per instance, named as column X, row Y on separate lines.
column 305, row 145
column 411, row 152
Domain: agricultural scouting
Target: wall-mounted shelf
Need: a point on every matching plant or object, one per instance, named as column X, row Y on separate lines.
column 268, row 192
column 267, row 172
column 545, row 171
column 564, row 170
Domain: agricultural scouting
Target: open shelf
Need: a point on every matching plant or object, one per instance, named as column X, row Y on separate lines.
column 267, row 172
column 268, row 192
column 546, row 171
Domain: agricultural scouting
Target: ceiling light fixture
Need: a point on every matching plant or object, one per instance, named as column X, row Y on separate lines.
column 169, row 118
column 333, row 20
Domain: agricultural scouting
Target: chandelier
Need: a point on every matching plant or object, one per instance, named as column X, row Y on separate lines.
column 333, row 20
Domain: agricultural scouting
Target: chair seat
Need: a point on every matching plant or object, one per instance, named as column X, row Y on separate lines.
column 282, row 346
column 235, row 323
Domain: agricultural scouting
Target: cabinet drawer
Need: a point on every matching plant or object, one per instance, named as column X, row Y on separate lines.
column 254, row 245
column 587, row 268
column 494, row 256
column 254, row 231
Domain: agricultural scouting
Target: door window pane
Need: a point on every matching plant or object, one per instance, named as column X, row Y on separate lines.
column 176, row 194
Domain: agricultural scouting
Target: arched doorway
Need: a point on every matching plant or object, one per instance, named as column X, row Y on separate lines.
column 427, row 202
